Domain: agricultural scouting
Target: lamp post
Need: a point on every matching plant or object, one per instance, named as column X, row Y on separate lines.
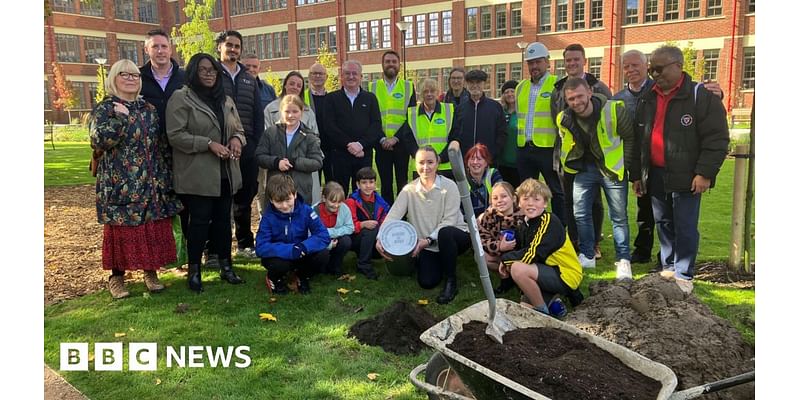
column 522, row 46
column 102, row 62
column 403, row 26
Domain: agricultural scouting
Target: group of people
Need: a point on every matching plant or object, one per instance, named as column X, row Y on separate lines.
column 192, row 143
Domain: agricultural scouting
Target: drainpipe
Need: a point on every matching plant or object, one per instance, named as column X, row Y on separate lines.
column 611, row 45
column 730, row 62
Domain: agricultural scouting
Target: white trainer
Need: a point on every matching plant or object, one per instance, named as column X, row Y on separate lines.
column 624, row 270
column 586, row 263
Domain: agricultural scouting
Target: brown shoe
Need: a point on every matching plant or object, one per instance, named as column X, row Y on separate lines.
column 116, row 285
column 152, row 282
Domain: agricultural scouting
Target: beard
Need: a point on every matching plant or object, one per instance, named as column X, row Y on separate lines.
column 390, row 73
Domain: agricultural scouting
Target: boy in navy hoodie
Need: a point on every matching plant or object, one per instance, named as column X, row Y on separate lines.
column 368, row 209
column 291, row 236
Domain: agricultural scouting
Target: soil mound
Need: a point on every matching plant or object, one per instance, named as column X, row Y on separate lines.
column 652, row 317
column 395, row 330
column 555, row 363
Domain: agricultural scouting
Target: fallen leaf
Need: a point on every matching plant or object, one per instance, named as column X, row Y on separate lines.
column 272, row 300
column 342, row 290
column 120, row 334
column 359, row 309
column 91, row 357
column 146, row 295
column 158, row 381
column 372, row 376
column 422, row 302
column 131, row 329
column 267, row 317
column 344, row 277
column 356, row 291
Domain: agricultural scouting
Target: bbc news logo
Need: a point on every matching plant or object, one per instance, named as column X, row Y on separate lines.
column 144, row 356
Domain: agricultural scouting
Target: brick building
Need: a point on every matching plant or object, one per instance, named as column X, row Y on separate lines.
column 442, row 34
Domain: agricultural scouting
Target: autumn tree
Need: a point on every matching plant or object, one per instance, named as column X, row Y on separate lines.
column 64, row 96
column 328, row 60
column 692, row 65
column 101, row 87
column 195, row 36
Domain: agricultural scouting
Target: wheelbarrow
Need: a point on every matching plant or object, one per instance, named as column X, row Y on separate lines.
column 481, row 383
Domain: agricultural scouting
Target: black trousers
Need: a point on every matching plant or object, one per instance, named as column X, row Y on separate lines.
column 344, row 167
column 433, row 266
column 643, row 244
column 305, row 267
column 533, row 161
column 243, row 202
column 597, row 212
column 510, row 175
column 391, row 164
column 209, row 220
column 334, row 265
column 364, row 246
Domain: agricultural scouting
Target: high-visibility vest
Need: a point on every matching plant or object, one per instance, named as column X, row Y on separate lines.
column 309, row 100
column 610, row 142
column 431, row 132
column 393, row 105
column 487, row 182
column 544, row 129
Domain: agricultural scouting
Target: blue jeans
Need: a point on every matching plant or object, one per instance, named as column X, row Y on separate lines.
column 583, row 192
column 676, row 215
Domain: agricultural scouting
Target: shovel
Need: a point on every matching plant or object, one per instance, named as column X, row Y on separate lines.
column 499, row 323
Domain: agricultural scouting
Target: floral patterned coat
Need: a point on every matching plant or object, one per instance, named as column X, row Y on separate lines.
column 134, row 172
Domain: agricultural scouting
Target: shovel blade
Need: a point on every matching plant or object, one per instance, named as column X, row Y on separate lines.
column 498, row 327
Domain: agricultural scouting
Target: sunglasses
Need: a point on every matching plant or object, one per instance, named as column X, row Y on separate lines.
column 658, row 69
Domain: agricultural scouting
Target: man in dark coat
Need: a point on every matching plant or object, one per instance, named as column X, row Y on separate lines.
column 478, row 120
column 161, row 76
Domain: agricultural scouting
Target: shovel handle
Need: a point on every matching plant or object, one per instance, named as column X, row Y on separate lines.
column 714, row 386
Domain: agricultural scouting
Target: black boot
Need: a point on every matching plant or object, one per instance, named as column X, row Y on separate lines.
column 506, row 284
column 304, row 286
column 277, row 284
column 449, row 292
column 226, row 272
column 195, row 282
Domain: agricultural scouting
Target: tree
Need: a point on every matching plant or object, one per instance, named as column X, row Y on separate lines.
column 274, row 80
column 195, row 36
column 101, row 87
column 64, row 96
column 692, row 65
column 328, row 60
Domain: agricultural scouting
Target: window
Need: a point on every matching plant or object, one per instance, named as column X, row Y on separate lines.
column 597, row 14
column 67, row 48
column 65, row 6
column 631, row 12
column 239, row 7
column 714, row 7
column 710, row 61
column 92, row 93
column 447, row 26
column 362, row 35
column 487, row 86
column 127, row 49
column 692, row 9
column 561, row 15
column 46, row 95
column 749, row 68
column 751, row 8
column 148, row 11
column 375, row 31
column 595, row 66
column 500, row 20
column 579, row 14
column 516, row 18
column 651, row 10
column 273, row 45
column 352, row 43
column 421, row 35
column 177, row 12
column 560, row 69
column 516, row 71
column 92, row 8
column 499, row 78
column 670, row 10
column 544, row 16
column 302, row 42
column 95, row 48
column 387, row 33
column 433, row 18
column 409, row 38
column 472, row 23
column 486, row 22
column 79, row 89
column 123, row 9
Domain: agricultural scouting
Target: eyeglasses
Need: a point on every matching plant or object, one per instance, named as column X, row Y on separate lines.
column 317, row 74
column 207, row 71
column 658, row 69
column 131, row 76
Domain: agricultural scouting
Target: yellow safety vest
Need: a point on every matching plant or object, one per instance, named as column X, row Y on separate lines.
column 487, row 182
column 393, row 105
column 610, row 142
column 309, row 100
column 544, row 129
column 431, row 132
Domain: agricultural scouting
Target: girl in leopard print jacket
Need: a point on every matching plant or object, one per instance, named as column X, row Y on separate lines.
column 503, row 214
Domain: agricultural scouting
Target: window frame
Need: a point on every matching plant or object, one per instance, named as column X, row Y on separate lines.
column 545, row 16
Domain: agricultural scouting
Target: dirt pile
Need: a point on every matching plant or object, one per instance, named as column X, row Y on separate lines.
column 652, row 317
column 395, row 330
column 554, row 363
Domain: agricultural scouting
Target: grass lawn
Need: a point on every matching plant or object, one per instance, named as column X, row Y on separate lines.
column 305, row 354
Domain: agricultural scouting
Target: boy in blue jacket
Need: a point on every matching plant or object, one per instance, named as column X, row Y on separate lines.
column 291, row 236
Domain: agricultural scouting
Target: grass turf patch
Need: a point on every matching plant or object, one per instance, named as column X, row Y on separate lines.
column 68, row 164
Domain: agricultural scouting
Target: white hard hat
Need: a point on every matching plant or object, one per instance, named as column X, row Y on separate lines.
column 536, row 50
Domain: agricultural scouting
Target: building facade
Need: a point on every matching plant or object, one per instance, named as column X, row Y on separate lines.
column 440, row 35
